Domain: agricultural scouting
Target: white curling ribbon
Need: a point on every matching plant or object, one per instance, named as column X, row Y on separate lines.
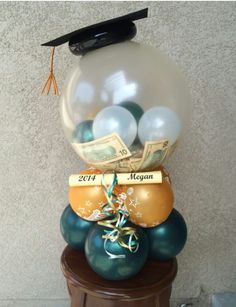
column 120, row 220
column 112, row 238
column 121, row 198
column 96, row 215
column 130, row 244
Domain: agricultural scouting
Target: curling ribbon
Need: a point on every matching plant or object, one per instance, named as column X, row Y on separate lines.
column 51, row 80
column 120, row 217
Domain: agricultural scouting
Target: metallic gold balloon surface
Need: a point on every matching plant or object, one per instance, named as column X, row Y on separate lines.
column 149, row 204
column 87, row 201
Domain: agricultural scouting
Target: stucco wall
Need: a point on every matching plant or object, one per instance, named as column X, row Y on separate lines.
column 36, row 159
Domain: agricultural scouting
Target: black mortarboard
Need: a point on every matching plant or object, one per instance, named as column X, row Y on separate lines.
column 93, row 37
column 101, row 34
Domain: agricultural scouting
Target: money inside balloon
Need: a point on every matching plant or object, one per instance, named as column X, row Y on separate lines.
column 117, row 99
column 102, row 151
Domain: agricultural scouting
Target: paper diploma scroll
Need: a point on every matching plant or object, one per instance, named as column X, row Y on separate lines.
column 123, row 178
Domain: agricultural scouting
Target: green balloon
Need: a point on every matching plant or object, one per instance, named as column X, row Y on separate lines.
column 134, row 109
column 167, row 239
column 119, row 268
column 74, row 229
column 84, row 131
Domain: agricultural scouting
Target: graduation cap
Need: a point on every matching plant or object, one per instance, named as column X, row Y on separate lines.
column 93, row 37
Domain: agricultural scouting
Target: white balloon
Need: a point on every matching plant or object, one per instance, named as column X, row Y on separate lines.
column 159, row 123
column 115, row 119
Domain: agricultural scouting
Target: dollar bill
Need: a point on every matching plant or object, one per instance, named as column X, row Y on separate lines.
column 103, row 150
column 122, row 166
column 172, row 148
column 108, row 167
column 130, row 164
column 136, row 149
column 154, row 154
column 114, row 167
column 135, row 164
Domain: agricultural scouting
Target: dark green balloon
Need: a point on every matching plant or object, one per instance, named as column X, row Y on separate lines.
column 134, row 109
column 114, row 269
column 84, row 131
column 167, row 239
column 74, row 229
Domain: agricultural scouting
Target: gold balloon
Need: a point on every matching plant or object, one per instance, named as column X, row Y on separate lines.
column 149, row 204
column 87, row 201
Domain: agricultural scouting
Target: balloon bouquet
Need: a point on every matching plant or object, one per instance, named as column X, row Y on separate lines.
column 124, row 107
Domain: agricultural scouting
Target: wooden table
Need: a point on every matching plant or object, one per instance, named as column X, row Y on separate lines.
column 150, row 288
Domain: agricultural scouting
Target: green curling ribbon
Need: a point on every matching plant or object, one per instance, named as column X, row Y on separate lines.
column 118, row 232
column 109, row 208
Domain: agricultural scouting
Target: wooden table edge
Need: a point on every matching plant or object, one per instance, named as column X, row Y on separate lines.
column 102, row 292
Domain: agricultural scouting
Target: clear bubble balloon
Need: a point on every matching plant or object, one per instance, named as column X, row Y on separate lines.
column 115, row 119
column 159, row 123
column 129, row 75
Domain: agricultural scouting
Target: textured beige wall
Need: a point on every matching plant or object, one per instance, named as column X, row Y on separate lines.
column 36, row 159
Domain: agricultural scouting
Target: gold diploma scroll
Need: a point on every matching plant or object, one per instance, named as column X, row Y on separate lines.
column 123, row 178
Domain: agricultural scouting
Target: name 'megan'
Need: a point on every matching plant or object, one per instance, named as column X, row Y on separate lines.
column 134, row 176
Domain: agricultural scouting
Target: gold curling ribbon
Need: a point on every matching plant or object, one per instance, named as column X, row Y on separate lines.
column 117, row 232
column 51, row 80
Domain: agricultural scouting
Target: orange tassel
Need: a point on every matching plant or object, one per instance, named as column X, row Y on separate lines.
column 51, row 79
